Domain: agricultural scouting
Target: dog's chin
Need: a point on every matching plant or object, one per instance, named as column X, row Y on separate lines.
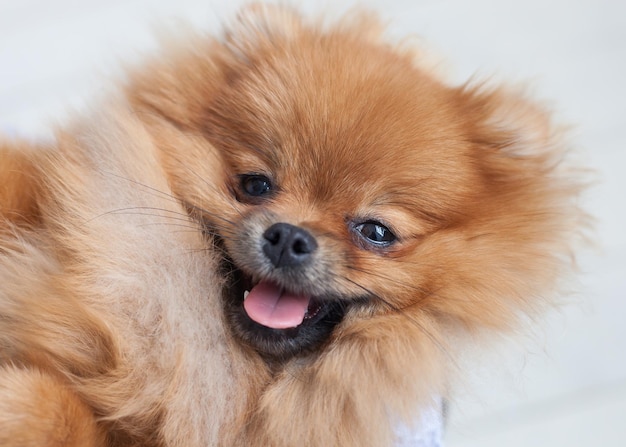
column 278, row 345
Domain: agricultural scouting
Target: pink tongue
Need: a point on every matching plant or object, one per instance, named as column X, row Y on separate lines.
column 270, row 306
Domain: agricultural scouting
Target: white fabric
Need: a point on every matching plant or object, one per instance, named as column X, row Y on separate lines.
column 427, row 431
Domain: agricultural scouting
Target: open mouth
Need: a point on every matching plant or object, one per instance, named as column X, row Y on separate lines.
column 272, row 320
column 274, row 307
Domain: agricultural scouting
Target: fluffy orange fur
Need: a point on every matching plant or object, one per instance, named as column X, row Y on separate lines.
column 113, row 326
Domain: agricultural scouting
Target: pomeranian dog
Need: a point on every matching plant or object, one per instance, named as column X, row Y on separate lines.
column 277, row 237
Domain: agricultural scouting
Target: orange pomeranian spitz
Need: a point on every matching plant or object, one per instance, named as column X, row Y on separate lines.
column 278, row 237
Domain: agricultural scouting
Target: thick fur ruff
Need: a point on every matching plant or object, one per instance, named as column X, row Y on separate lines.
column 114, row 326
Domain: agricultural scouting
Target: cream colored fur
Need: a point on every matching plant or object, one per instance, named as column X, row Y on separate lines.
column 147, row 280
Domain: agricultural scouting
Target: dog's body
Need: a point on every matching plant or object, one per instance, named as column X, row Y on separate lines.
column 378, row 211
column 129, row 326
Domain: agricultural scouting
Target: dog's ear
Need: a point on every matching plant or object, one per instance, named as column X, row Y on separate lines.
column 19, row 185
column 177, row 86
column 523, row 152
column 519, row 126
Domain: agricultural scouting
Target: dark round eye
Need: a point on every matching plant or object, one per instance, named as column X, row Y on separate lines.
column 375, row 233
column 255, row 185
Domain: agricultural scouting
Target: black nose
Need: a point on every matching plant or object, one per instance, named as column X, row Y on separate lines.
column 287, row 245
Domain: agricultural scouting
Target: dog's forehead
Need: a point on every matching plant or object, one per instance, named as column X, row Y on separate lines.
column 344, row 108
column 360, row 124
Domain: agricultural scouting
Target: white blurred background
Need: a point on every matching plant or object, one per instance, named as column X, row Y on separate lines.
column 567, row 385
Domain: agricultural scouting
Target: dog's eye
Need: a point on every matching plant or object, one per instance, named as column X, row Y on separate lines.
column 375, row 233
column 256, row 185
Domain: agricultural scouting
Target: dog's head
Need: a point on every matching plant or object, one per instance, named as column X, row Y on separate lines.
column 338, row 181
